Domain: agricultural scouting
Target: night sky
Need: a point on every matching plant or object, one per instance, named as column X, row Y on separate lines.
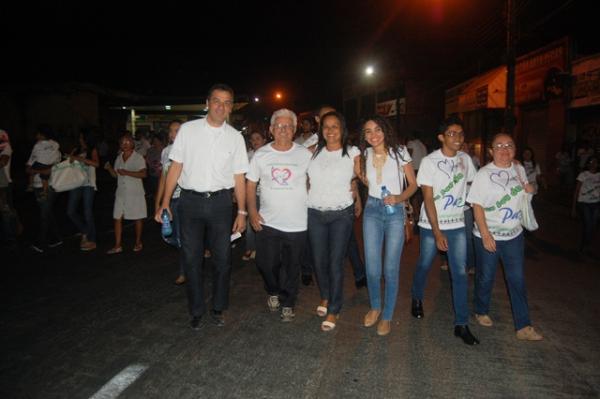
column 307, row 49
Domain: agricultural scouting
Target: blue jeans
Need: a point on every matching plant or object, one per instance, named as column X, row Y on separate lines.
column 469, row 235
column 457, row 258
column 377, row 227
column 590, row 215
column 197, row 215
column 511, row 253
column 353, row 253
column 88, row 227
column 329, row 233
column 48, row 227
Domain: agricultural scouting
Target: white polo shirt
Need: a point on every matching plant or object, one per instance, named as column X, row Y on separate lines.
column 211, row 156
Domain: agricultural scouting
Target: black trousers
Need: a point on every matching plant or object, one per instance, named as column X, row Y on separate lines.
column 197, row 216
column 278, row 261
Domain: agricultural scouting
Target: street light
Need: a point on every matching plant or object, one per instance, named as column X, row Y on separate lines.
column 278, row 96
column 369, row 70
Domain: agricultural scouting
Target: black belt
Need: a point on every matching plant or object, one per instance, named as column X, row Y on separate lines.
column 206, row 194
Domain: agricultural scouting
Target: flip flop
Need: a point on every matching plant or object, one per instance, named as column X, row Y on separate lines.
column 113, row 251
column 322, row 311
column 138, row 248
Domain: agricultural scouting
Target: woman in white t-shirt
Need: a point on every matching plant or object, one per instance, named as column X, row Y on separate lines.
column 130, row 204
column 587, row 199
column 495, row 196
column 331, row 211
column 86, row 154
column 384, row 164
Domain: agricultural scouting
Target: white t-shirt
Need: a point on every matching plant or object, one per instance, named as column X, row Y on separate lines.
column 282, row 178
column 309, row 142
column 448, row 176
column 590, row 187
column 142, row 146
column 532, row 173
column 211, row 156
column 330, row 175
column 6, row 169
column 128, row 185
column 419, row 151
column 45, row 152
column 392, row 173
column 166, row 163
column 498, row 191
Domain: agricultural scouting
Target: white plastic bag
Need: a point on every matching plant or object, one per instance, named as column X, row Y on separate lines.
column 67, row 175
column 528, row 220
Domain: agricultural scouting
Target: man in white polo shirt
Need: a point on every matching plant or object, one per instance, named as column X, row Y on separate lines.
column 209, row 159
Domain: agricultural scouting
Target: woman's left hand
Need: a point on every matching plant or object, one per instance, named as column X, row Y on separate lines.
column 529, row 188
column 391, row 200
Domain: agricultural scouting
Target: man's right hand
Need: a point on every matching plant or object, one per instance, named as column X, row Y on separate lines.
column 158, row 214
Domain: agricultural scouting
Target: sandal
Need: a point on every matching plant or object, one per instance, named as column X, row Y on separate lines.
column 322, row 308
column 329, row 325
column 114, row 250
column 138, row 247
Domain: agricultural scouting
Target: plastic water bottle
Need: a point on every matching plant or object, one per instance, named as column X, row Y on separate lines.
column 166, row 228
column 389, row 209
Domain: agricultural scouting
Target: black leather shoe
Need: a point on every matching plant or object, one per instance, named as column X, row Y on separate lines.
column 217, row 318
column 361, row 283
column 417, row 309
column 195, row 323
column 306, row 279
column 464, row 333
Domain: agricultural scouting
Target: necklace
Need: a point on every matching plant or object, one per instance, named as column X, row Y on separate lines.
column 378, row 162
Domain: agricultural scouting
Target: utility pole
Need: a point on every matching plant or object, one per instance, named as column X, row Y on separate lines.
column 509, row 113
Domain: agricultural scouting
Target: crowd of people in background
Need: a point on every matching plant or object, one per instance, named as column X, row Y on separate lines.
column 298, row 191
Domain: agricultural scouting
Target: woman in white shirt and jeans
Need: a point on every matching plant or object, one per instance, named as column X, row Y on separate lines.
column 495, row 196
column 331, row 211
column 384, row 164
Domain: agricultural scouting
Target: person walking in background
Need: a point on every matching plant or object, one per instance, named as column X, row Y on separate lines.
column 257, row 140
column 280, row 168
column 495, row 196
column 46, row 153
column 130, row 204
column 417, row 151
column 384, row 164
column 587, row 200
column 175, row 238
column 443, row 177
column 564, row 166
column 153, row 163
column 209, row 159
column 8, row 214
column 331, row 211
column 533, row 170
column 87, row 155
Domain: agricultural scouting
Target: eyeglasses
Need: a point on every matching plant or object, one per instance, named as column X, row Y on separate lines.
column 453, row 133
column 283, row 126
column 503, row 146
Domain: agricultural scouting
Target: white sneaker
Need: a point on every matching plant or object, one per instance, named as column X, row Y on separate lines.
column 273, row 303
column 287, row 314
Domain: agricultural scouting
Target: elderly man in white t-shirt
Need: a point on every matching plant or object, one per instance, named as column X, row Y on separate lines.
column 208, row 159
column 8, row 215
column 281, row 225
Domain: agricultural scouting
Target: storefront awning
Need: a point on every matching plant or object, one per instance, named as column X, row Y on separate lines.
column 484, row 91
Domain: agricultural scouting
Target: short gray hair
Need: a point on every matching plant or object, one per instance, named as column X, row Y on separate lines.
column 285, row 113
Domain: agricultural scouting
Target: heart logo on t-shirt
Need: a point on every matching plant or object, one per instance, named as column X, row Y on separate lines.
column 446, row 166
column 500, row 178
column 281, row 176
